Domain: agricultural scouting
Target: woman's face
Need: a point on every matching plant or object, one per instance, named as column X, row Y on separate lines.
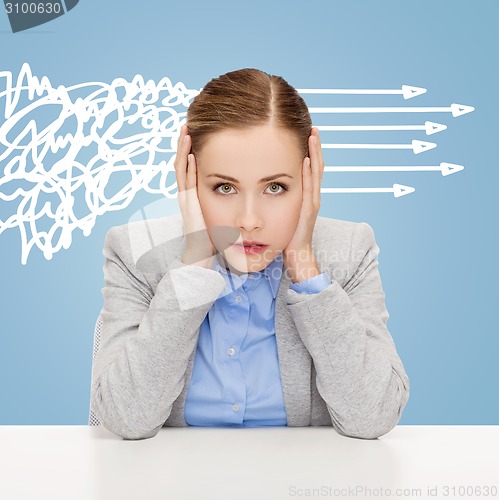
column 231, row 171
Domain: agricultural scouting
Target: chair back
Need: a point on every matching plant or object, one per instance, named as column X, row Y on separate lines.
column 92, row 417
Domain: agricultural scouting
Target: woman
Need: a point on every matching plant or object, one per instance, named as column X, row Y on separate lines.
column 262, row 313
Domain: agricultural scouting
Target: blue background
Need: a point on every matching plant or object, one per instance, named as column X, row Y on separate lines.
column 438, row 245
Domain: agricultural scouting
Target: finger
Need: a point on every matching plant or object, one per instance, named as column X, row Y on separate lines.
column 181, row 162
column 181, row 136
column 321, row 168
column 315, row 170
column 307, row 186
column 318, row 147
column 179, row 145
column 180, row 140
column 191, row 172
column 183, row 132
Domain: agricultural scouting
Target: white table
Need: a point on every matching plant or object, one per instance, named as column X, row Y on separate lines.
column 91, row 463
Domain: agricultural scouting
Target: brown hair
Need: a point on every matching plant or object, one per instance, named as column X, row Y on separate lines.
column 245, row 98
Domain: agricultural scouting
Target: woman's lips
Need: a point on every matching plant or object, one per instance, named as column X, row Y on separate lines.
column 250, row 249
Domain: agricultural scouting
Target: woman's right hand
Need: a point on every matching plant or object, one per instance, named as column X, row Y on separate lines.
column 198, row 248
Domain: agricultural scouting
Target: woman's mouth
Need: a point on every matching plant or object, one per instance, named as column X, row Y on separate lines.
column 250, row 249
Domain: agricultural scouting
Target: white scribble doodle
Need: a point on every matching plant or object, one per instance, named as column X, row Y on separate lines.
column 63, row 149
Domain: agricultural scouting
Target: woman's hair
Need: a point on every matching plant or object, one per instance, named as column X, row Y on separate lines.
column 246, row 98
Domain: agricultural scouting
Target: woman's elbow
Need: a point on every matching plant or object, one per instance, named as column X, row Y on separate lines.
column 141, row 435
column 129, row 434
column 369, row 432
column 374, row 425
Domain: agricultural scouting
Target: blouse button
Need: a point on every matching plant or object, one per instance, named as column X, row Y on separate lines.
column 235, row 407
column 238, row 298
column 231, row 351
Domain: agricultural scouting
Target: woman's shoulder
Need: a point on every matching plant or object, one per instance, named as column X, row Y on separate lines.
column 343, row 244
column 142, row 239
column 341, row 231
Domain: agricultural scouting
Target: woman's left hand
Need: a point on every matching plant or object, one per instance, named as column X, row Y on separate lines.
column 298, row 256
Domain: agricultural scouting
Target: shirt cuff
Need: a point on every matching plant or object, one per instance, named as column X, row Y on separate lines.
column 313, row 285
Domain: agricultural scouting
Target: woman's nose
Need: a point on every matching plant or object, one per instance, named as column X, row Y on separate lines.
column 249, row 213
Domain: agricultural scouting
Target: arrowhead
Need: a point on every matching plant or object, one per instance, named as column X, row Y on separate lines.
column 433, row 128
column 422, row 146
column 401, row 190
column 408, row 92
column 460, row 109
column 450, row 168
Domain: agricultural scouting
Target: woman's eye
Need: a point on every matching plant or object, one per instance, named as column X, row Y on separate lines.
column 276, row 185
column 273, row 189
column 225, row 191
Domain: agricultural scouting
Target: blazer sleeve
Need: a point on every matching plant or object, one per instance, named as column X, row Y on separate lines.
column 147, row 338
column 359, row 373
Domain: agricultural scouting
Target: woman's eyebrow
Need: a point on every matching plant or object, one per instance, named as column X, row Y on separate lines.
column 265, row 179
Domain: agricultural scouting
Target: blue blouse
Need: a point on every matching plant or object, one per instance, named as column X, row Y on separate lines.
column 235, row 379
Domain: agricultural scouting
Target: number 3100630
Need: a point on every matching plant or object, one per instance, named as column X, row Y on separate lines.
column 33, row 8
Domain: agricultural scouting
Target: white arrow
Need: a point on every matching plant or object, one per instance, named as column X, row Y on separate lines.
column 444, row 168
column 455, row 109
column 429, row 127
column 416, row 146
column 398, row 190
column 407, row 91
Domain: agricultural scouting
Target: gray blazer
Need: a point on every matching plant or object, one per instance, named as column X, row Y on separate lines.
column 338, row 362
